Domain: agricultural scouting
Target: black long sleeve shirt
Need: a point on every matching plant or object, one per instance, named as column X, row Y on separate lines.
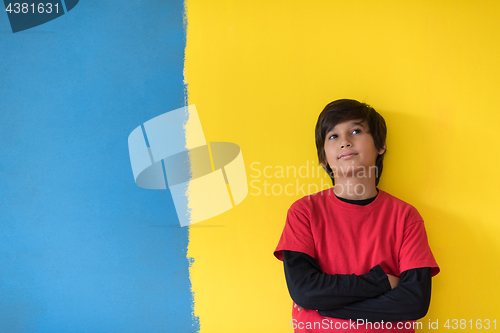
column 349, row 296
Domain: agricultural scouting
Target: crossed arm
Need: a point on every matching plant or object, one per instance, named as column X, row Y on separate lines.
column 374, row 296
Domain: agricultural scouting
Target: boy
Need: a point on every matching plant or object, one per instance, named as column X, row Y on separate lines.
column 355, row 257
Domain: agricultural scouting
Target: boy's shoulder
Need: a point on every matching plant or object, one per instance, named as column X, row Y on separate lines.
column 399, row 207
column 395, row 200
column 327, row 197
column 325, row 204
column 320, row 197
column 306, row 205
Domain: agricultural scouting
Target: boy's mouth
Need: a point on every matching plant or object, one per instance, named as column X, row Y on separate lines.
column 347, row 155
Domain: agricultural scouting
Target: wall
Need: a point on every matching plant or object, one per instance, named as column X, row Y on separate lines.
column 260, row 72
column 82, row 247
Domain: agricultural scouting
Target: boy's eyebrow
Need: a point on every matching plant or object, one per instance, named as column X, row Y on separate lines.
column 356, row 123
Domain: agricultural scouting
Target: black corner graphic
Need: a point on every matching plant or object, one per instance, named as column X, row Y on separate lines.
column 29, row 14
column 70, row 4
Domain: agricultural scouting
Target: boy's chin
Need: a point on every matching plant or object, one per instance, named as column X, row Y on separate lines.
column 354, row 171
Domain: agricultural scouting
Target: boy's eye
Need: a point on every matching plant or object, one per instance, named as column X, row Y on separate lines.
column 333, row 136
column 356, row 131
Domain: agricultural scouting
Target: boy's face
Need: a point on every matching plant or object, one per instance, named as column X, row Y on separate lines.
column 349, row 149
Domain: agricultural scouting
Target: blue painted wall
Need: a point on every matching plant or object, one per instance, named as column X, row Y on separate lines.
column 82, row 247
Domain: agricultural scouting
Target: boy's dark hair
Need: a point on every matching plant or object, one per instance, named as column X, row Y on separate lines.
column 343, row 110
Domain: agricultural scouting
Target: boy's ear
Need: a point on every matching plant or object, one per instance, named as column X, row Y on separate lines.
column 382, row 150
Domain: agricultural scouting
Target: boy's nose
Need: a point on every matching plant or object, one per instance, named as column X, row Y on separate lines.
column 345, row 145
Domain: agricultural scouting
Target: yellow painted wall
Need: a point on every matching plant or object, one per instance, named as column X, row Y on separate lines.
column 260, row 72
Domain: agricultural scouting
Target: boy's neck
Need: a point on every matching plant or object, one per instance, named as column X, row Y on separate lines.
column 353, row 188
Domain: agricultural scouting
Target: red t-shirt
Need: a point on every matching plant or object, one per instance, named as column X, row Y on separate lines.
column 350, row 239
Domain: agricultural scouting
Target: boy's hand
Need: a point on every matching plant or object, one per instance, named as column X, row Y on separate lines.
column 299, row 307
column 393, row 280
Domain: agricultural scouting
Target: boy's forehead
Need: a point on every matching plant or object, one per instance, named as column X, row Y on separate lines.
column 355, row 122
